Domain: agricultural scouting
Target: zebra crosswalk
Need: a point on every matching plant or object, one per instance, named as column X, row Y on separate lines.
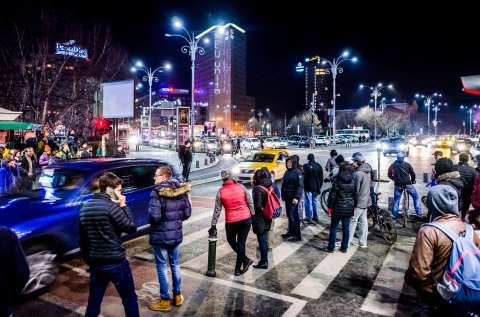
column 359, row 282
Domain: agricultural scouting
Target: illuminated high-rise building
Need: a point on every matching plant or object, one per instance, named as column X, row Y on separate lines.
column 221, row 74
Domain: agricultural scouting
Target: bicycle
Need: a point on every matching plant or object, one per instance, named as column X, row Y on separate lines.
column 325, row 193
column 383, row 218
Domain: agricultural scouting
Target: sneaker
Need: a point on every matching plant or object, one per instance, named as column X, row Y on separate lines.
column 357, row 244
column 178, row 300
column 161, row 305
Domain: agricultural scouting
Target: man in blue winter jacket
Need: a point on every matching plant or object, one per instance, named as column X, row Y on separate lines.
column 169, row 206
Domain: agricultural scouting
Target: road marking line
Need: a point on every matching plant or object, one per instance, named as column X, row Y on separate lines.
column 387, row 288
column 64, row 303
column 315, row 283
column 201, row 216
column 223, row 250
column 293, row 310
column 278, row 254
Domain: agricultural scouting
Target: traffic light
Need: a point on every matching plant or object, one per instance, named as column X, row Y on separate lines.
column 103, row 125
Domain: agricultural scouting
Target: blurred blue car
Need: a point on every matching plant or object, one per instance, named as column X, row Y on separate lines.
column 46, row 219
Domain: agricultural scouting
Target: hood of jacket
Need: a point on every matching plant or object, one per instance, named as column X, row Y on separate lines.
column 293, row 159
column 345, row 177
column 265, row 182
column 366, row 168
column 452, row 177
column 171, row 188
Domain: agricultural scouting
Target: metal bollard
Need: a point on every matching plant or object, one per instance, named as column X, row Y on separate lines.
column 211, row 159
column 206, row 161
column 212, row 254
column 374, row 172
column 426, row 177
column 197, row 165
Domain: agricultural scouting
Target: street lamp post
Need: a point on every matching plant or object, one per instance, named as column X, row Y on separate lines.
column 335, row 69
column 260, row 114
column 191, row 48
column 375, row 94
column 150, row 78
column 436, row 109
column 428, row 101
column 469, row 111
column 312, row 112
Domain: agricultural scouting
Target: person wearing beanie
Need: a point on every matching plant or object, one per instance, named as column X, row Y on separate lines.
column 239, row 209
column 313, row 183
column 403, row 176
column 467, row 176
column 445, row 175
column 431, row 251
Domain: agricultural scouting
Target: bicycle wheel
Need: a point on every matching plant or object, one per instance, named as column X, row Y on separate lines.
column 387, row 226
column 324, row 199
column 372, row 221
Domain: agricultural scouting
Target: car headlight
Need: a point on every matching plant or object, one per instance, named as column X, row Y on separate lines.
column 227, row 147
column 461, row 146
column 402, row 147
column 235, row 170
column 197, row 144
column 385, row 147
column 449, row 142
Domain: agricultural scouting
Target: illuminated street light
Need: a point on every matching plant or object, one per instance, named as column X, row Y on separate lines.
column 375, row 94
column 428, row 101
column 150, row 78
column 191, row 48
column 470, row 111
column 335, row 69
column 435, row 121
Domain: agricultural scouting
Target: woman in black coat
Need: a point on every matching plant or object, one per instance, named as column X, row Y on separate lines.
column 341, row 203
column 260, row 223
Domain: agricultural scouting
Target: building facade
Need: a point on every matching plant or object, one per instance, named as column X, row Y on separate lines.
column 221, row 74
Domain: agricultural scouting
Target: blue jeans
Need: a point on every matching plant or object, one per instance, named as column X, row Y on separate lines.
column 311, row 205
column 262, row 243
column 161, row 254
column 333, row 232
column 397, row 195
column 121, row 276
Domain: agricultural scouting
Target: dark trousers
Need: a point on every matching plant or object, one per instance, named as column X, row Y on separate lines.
column 262, row 243
column 293, row 218
column 237, row 233
column 333, row 232
column 186, row 170
column 121, row 276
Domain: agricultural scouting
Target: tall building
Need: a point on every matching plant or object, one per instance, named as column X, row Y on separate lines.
column 221, row 74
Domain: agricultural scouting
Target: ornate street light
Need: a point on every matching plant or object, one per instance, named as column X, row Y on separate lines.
column 470, row 110
column 375, row 94
column 436, row 108
column 191, row 48
column 150, row 78
column 335, row 69
column 428, row 102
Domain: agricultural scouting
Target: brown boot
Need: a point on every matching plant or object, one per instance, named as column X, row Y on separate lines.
column 161, row 305
column 178, row 300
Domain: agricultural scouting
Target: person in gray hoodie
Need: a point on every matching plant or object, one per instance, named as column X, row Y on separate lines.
column 363, row 182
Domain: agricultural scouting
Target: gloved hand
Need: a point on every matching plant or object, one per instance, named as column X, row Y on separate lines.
column 212, row 231
column 329, row 211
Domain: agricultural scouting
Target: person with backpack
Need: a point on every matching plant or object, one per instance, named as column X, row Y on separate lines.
column 238, row 205
column 262, row 193
column 341, row 205
column 313, row 183
column 432, row 252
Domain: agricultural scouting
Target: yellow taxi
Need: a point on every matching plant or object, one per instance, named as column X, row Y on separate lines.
column 274, row 160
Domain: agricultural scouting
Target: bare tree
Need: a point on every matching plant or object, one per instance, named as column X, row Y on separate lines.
column 303, row 121
column 56, row 89
column 387, row 123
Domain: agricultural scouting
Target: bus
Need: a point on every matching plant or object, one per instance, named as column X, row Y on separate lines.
column 359, row 133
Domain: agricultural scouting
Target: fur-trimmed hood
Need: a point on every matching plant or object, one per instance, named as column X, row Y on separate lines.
column 172, row 188
column 451, row 176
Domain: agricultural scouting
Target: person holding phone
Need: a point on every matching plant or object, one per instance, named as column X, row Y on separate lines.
column 169, row 207
column 103, row 219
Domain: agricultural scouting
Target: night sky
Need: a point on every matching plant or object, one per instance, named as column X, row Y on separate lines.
column 415, row 49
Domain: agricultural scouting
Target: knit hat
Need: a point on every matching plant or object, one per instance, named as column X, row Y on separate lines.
column 339, row 159
column 47, row 149
column 358, row 157
column 442, row 200
column 310, row 157
column 439, row 153
column 443, row 165
column 463, row 157
column 226, row 175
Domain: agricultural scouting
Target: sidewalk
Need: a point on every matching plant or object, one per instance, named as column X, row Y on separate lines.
column 172, row 157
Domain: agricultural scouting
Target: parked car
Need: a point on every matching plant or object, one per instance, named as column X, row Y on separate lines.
column 250, row 143
column 475, row 149
column 46, row 220
column 275, row 143
column 304, row 142
column 274, row 160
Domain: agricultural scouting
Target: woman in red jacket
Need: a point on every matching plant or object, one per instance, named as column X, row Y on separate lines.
column 238, row 205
